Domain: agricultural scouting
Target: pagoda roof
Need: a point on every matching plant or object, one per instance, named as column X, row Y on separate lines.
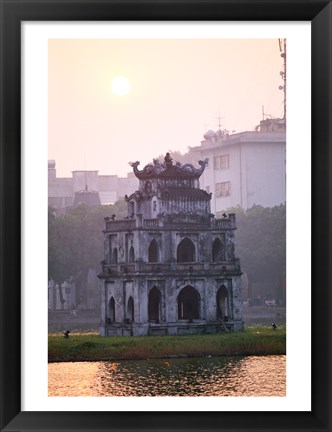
column 168, row 170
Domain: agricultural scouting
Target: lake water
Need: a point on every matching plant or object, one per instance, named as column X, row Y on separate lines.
column 209, row 376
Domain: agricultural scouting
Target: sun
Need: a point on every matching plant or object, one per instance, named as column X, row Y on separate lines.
column 120, row 85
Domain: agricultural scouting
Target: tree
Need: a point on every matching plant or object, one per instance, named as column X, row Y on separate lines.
column 76, row 244
column 261, row 247
column 59, row 251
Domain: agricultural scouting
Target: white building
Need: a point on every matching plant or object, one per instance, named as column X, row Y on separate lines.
column 247, row 168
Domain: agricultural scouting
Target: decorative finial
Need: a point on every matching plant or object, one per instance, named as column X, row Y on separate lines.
column 168, row 160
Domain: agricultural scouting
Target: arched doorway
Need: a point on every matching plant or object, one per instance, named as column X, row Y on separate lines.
column 185, row 251
column 217, row 250
column 153, row 251
column 130, row 309
column 222, row 303
column 154, row 304
column 111, row 310
column 188, row 303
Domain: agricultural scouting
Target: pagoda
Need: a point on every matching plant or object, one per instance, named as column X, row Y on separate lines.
column 170, row 265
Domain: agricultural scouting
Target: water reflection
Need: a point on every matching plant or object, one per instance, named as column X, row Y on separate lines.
column 215, row 376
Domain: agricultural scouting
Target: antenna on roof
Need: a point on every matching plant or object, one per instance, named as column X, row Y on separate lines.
column 219, row 123
column 221, row 132
column 282, row 48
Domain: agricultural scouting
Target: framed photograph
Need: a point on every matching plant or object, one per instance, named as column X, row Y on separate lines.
column 33, row 34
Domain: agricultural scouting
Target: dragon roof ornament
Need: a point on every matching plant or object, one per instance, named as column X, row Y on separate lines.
column 168, row 170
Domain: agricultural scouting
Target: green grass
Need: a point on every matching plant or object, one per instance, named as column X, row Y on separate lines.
column 253, row 341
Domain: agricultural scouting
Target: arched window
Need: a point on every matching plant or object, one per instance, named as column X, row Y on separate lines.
column 188, row 303
column 153, row 251
column 111, row 310
column 186, row 251
column 115, row 255
column 131, row 255
column 154, row 305
column 217, row 250
column 222, row 303
column 130, row 309
column 154, row 207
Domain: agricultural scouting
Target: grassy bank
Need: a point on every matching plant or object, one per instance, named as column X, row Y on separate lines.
column 253, row 341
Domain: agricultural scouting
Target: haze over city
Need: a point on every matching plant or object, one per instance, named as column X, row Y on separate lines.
column 170, row 93
column 90, row 127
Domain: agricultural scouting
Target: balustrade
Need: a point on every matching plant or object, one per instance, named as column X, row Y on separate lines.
column 151, row 223
column 120, row 225
column 122, row 268
column 223, row 223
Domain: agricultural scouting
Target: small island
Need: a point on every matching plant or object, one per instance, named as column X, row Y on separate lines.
column 92, row 347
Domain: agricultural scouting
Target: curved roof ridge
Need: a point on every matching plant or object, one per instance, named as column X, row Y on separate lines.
column 168, row 169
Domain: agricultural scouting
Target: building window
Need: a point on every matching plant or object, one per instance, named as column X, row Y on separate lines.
column 222, row 303
column 111, row 310
column 223, row 189
column 131, row 255
column 185, row 251
column 154, row 305
column 115, row 256
column 130, row 310
column 153, row 251
column 221, row 162
column 217, row 250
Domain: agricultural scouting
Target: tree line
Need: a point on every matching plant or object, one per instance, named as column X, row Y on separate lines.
column 76, row 244
column 261, row 246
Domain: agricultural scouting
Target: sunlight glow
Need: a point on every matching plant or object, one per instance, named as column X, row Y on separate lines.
column 120, row 86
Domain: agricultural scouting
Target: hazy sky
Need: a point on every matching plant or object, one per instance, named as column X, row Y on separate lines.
column 179, row 88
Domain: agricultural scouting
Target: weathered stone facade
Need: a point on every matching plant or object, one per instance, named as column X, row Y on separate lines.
column 170, row 266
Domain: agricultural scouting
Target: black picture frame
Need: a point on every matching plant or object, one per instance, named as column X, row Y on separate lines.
column 13, row 12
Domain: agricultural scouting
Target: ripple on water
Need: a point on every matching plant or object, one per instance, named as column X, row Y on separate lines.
column 214, row 376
